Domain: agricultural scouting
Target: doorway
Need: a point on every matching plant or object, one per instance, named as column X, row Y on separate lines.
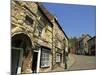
column 16, row 60
column 34, row 62
column 19, row 43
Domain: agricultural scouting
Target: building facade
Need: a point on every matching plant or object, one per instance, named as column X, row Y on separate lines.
column 60, row 46
column 38, row 43
column 92, row 46
column 82, row 44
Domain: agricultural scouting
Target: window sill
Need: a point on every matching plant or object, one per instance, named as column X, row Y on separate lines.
column 45, row 66
column 58, row 62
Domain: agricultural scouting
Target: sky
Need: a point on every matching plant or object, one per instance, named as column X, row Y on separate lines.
column 74, row 19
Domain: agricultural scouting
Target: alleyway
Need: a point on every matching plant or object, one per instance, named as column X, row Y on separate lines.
column 81, row 62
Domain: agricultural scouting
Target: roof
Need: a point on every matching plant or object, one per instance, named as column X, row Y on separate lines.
column 49, row 16
column 61, row 28
column 85, row 35
column 92, row 38
column 45, row 12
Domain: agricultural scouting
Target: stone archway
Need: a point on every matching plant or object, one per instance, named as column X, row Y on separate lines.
column 21, row 54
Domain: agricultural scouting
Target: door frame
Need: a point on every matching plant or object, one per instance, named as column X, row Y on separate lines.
column 38, row 59
column 20, row 59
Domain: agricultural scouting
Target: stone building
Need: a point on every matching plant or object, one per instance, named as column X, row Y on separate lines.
column 82, row 44
column 38, row 43
column 60, row 46
column 92, row 46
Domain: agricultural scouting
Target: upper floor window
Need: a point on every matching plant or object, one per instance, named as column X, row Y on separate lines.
column 28, row 20
column 86, row 45
column 38, row 29
column 44, row 20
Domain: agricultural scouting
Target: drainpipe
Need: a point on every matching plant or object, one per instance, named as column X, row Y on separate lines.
column 66, row 55
column 52, row 42
column 65, row 61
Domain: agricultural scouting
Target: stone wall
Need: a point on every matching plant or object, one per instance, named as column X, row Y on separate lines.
column 27, row 18
column 58, row 43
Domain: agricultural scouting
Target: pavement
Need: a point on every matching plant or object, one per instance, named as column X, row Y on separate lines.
column 70, row 61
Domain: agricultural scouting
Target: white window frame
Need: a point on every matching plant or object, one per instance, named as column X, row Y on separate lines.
column 58, row 57
column 45, row 60
column 38, row 59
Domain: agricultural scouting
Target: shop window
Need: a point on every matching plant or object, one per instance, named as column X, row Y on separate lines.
column 45, row 62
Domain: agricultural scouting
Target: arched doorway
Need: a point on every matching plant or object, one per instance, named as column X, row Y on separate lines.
column 19, row 45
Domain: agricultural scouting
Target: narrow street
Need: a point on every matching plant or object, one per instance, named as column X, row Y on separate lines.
column 82, row 62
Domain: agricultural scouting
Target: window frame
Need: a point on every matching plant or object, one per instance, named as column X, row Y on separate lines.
column 58, row 57
column 29, row 20
column 38, row 28
column 46, row 58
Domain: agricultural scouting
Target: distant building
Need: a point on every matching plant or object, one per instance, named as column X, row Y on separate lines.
column 38, row 42
column 72, row 50
column 92, row 46
column 82, row 44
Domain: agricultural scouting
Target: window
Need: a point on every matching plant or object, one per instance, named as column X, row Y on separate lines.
column 58, row 57
column 85, row 45
column 45, row 58
column 38, row 29
column 28, row 20
column 42, row 17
